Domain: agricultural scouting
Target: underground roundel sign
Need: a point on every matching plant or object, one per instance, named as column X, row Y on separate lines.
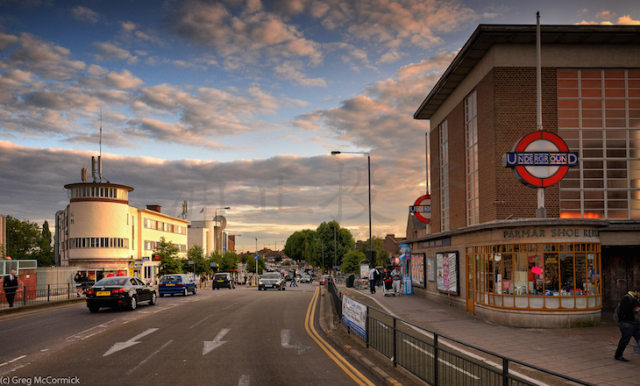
column 540, row 159
column 422, row 208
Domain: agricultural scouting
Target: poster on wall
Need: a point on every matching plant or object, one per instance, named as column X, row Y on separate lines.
column 418, row 270
column 447, row 272
column 431, row 269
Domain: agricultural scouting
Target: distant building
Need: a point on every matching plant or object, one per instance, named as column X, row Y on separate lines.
column 99, row 231
column 210, row 236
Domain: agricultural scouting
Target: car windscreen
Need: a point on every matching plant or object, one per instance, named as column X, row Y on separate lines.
column 112, row 281
column 171, row 279
column 271, row 276
column 221, row 276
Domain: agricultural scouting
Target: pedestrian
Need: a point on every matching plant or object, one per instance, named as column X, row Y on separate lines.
column 628, row 322
column 10, row 286
column 396, row 275
column 388, row 282
column 293, row 280
column 373, row 277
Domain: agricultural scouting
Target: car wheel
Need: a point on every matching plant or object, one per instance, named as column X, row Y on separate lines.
column 154, row 299
column 133, row 304
column 185, row 292
column 94, row 309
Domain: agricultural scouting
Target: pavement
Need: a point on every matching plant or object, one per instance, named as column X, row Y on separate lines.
column 585, row 353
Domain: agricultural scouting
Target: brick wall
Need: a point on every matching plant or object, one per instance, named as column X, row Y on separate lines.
column 457, row 170
column 434, row 169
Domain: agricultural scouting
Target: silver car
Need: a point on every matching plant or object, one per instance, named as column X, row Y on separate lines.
column 271, row 280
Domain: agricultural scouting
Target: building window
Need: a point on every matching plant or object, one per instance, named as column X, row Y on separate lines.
column 471, row 150
column 599, row 117
column 443, row 139
column 556, row 276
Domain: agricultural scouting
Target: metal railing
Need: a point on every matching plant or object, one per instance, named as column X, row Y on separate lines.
column 31, row 295
column 441, row 360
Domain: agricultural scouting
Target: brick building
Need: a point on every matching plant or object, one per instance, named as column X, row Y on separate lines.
column 489, row 247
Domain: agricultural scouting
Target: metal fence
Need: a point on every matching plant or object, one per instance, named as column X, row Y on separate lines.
column 441, row 360
column 31, row 295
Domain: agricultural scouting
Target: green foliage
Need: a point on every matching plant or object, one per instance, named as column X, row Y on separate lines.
column 200, row 264
column 251, row 265
column 382, row 256
column 27, row 241
column 169, row 262
column 351, row 262
column 328, row 240
column 297, row 246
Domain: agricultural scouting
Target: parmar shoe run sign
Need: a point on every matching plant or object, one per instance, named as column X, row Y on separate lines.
column 540, row 159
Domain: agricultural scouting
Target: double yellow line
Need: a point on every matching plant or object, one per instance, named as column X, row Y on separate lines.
column 351, row 371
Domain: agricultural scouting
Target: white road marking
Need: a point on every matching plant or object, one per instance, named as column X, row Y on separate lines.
column 210, row 345
column 13, row 360
column 200, row 321
column 145, row 360
column 441, row 360
column 131, row 342
column 285, row 339
column 244, row 380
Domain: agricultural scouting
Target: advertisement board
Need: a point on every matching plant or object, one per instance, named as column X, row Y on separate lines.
column 431, row 269
column 418, row 270
column 447, row 272
column 354, row 315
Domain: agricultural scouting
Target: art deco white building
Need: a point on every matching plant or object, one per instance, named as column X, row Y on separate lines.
column 100, row 231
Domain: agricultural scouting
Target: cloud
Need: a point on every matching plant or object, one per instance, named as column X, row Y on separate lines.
column 108, row 50
column 83, row 13
column 7, row 40
column 250, row 34
column 124, row 80
column 267, row 196
column 606, row 16
column 290, row 70
column 44, row 58
column 626, row 19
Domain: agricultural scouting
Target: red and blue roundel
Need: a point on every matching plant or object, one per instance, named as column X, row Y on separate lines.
column 540, row 159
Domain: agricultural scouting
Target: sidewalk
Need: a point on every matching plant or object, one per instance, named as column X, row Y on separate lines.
column 583, row 353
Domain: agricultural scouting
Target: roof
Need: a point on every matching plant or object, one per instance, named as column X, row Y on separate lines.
column 487, row 35
column 104, row 184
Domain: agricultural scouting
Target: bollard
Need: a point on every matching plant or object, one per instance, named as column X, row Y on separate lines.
column 48, row 293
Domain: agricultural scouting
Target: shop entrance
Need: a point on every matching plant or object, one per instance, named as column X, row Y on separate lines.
column 620, row 272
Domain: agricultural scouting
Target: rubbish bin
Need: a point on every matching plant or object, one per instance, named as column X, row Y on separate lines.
column 350, row 280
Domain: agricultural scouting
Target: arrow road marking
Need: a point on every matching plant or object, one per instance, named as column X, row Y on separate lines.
column 244, row 380
column 131, row 342
column 285, row 338
column 210, row 345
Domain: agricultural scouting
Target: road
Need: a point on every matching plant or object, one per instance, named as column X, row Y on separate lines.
column 224, row 337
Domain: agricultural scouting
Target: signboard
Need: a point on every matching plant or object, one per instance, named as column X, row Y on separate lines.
column 354, row 315
column 256, row 256
column 146, row 258
column 364, row 270
column 422, row 208
column 447, row 272
column 418, row 270
column 540, row 159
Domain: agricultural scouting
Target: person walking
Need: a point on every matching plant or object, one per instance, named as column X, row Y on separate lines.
column 293, row 280
column 396, row 275
column 627, row 322
column 373, row 277
column 10, row 286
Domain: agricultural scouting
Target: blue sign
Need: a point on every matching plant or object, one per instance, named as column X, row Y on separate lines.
column 256, row 256
column 146, row 258
column 513, row 159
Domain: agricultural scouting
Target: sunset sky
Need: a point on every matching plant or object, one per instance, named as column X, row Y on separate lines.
column 237, row 103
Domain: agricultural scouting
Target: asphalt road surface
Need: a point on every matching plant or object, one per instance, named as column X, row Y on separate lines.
column 224, row 337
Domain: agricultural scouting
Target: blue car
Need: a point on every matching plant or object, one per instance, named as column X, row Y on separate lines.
column 176, row 284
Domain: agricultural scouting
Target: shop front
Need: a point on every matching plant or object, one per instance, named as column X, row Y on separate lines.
column 527, row 273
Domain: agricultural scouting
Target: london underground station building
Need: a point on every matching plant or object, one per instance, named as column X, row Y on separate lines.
column 488, row 249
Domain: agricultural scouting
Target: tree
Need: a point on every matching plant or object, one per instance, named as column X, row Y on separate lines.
column 297, row 245
column 46, row 255
column 25, row 240
column 337, row 242
column 169, row 262
column 382, row 255
column 200, row 264
column 351, row 262
column 251, row 265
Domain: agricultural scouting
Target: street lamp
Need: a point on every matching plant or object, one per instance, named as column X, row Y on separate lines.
column 372, row 258
column 322, row 241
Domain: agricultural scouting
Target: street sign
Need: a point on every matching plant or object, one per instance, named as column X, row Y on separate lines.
column 256, row 256
column 422, row 208
column 213, row 265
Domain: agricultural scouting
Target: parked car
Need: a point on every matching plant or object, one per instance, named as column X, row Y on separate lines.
column 305, row 279
column 223, row 280
column 119, row 292
column 271, row 280
column 326, row 278
column 177, row 283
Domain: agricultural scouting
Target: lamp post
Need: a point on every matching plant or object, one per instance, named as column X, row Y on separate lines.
column 372, row 258
column 322, row 243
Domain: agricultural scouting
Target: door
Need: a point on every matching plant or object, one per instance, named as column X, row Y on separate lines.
column 471, row 287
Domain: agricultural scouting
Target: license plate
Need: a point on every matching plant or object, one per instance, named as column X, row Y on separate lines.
column 220, row 281
column 103, row 293
column 268, row 285
column 170, row 285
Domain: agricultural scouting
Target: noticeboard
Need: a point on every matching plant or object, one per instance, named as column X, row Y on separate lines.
column 418, row 270
column 447, row 272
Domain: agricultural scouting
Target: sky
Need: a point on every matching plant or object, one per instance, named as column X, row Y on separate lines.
column 238, row 103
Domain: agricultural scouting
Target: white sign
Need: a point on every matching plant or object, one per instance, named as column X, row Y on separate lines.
column 447, row 272
column 354, row 315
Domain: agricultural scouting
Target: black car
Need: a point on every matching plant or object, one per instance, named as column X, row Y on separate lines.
column 120, row 292
column 223, row 280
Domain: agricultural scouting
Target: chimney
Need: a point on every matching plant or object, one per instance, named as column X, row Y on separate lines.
column 155, row 208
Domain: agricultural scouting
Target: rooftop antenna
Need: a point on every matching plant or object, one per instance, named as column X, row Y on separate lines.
column 100, row 156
